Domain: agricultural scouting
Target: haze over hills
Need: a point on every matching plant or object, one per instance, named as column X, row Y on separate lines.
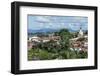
column 49, row 30
column 42, row 30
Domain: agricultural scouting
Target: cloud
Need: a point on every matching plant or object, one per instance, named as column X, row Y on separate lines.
column 81, row 19
column 73, row 26
column 42, row 19
column 57, row 22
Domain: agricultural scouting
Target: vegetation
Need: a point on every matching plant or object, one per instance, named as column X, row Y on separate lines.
column 52, row 50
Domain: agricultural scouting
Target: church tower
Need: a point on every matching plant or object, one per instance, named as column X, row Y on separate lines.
column 80, row 33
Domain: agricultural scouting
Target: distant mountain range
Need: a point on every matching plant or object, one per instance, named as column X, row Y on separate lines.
column 49, row 30
column 42, row 30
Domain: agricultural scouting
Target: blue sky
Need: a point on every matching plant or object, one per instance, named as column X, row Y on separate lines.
column 36, row 22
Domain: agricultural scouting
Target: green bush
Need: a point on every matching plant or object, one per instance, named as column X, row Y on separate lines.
column 51, row 50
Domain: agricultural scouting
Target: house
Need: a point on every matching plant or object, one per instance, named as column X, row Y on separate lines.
column 30, row 45
column 80, row 42
column 33, row 41
column 34, row 38
column 44, row 39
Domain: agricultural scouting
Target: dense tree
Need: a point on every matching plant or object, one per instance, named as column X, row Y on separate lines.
column 86, row 32
column 52, row 50
column 65, row 36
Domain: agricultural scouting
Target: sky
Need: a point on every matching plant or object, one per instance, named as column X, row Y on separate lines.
column 37, row 22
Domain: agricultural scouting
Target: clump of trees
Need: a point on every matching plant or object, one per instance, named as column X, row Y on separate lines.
column 52, row 50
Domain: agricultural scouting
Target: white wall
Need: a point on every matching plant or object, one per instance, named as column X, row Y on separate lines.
column 5, row 27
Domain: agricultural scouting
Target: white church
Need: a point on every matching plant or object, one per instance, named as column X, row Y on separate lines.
column 77, row 44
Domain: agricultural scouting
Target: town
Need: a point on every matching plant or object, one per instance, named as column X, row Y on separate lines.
column 76, row 42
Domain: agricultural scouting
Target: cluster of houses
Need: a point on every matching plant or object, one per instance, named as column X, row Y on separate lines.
column 35, row 39
column 80, row 43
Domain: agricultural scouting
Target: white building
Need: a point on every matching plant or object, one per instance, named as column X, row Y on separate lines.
column 34, row 38
column 80, row 34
